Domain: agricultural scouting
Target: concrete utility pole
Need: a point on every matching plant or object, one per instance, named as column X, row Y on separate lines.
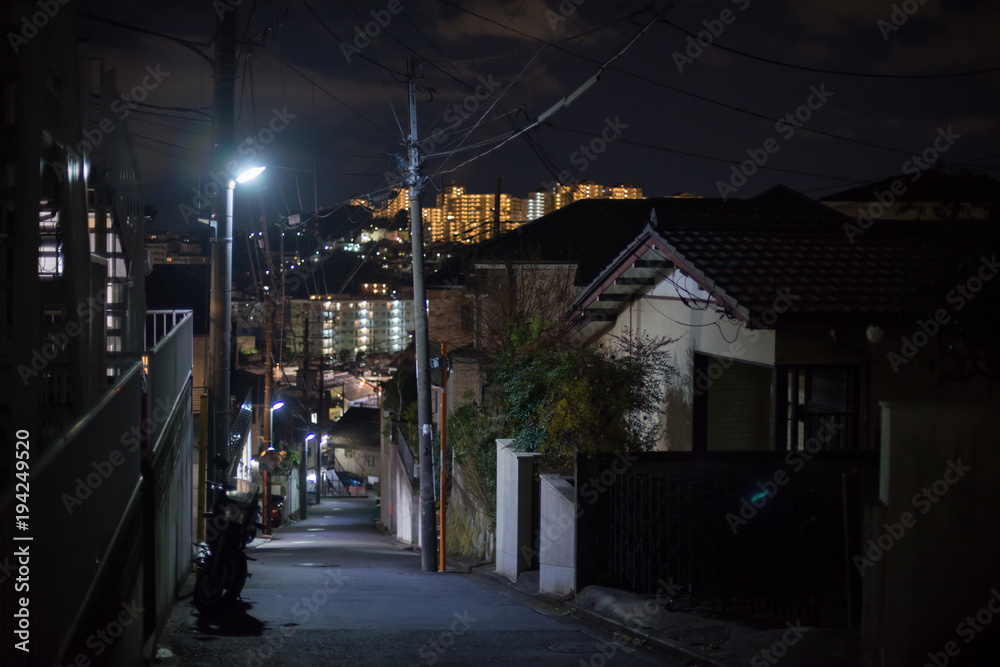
column 323, row 414
column 496, row 211
column 303, row 496
column 223, row 150
column 428, row 520
column 444, row 446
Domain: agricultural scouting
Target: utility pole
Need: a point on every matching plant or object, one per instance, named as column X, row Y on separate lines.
column 496, row 211
column 428, row 519
column 444, row 446
column 220, row 315
column 323, row 413
column 303, row 462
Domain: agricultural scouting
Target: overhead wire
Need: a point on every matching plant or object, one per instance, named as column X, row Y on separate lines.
column 822, row 70
column 679, row 91
column 569, row 99
column 707, row 157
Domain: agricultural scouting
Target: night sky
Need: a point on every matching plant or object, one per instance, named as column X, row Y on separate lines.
column 672, row 115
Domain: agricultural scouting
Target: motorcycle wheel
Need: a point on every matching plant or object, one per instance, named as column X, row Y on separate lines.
column 215, row 588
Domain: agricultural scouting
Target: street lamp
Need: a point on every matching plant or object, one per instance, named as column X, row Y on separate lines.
column 220, row 317
column 270, row 438
column 303, row 491
column 267, row 460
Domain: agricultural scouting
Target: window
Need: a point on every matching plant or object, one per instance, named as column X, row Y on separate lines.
column 818, row 402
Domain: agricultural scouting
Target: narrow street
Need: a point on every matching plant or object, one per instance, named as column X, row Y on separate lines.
column 333, row 590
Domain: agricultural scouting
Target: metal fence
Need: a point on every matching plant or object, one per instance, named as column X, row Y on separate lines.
column 405, row 455
column 741, row 534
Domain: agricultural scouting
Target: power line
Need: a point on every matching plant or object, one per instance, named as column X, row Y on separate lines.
column 569, row 99
column 356, row 52
column 705, row 157
column 684, row 92
column 334, row 97
column 821, row 70
column 191, row 46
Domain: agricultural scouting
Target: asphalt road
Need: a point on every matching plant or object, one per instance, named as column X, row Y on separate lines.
column 333, row 590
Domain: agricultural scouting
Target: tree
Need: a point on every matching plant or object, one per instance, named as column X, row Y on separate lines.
column 562, row 400
column 512, row 295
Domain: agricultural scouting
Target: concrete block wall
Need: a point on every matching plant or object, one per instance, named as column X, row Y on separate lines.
column 557, row 536
column 515, row 478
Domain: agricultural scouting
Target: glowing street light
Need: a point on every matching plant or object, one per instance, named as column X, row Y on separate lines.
column 220, row 318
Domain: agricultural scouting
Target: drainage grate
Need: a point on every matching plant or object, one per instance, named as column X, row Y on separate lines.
column 701, row 634
column 576, row 647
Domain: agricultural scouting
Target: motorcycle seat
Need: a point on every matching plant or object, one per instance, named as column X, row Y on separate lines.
column 242, row 498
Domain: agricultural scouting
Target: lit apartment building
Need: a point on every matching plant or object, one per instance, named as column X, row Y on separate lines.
column 339, row 325
column 435, row 224
column 539, row 204
column 624, row 191
column 399, row 200
column 369, row 324
column 464, row 217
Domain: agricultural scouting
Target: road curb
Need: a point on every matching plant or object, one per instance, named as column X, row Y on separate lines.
column 668, row 647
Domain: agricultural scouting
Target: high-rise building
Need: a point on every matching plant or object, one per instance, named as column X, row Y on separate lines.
column 539, row 204
column 468, row 218
column 462, row 217
column 398, row 200
column 624, row 191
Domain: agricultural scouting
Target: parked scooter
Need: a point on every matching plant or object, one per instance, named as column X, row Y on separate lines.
column 222, row 561
column 275, row 510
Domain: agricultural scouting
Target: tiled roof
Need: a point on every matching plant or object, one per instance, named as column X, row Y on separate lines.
column 828, row 275
column 591, row 232
column 931, row 185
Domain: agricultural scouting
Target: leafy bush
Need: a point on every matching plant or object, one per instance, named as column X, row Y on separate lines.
column 559, row 400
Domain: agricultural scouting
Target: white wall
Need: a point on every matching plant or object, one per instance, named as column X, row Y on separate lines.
column 661, row 313
column 929, row 576
column 557, row 536
column 515, row 473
